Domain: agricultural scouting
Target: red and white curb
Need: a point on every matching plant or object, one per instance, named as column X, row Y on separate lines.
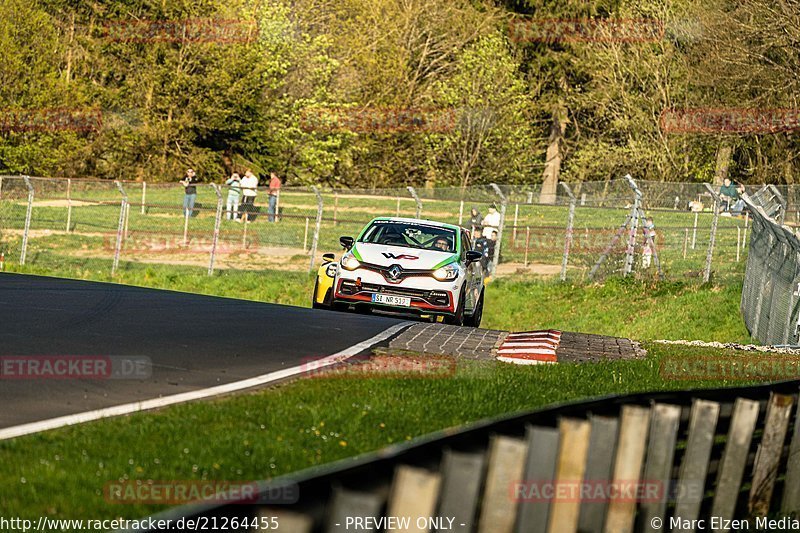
column 530, row 347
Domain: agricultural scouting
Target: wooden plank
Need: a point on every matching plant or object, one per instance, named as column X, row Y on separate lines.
column 734, row 459
column 540, row 467
column 462, row 475
column 413, row 496
column 273, row 519
column 694, row 467
column 570, row 469
column 664, row 424
column 599, row 467
column 634, row 422
column 506, row 465
column 791, row 487
column 348, row 505
column 769, row 451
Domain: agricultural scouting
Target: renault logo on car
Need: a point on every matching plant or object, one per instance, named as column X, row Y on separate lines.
column 394, row 272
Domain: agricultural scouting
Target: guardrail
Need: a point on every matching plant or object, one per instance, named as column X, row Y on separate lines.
column 665, row 461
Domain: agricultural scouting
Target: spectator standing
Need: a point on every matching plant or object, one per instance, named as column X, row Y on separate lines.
column 481, row 244
column 234, row 184
column 728, row 194
column 475, row 219
column 189, row 192
column 490, row 266
column 649, row 242
column 491, row 222
column 249, row 186
column 274, row 193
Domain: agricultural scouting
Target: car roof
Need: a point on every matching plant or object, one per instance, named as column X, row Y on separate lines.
column 418, row 221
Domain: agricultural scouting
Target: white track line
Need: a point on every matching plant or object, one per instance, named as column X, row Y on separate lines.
column 155, row 403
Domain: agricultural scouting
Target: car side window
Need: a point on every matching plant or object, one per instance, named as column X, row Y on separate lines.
column 465, row 245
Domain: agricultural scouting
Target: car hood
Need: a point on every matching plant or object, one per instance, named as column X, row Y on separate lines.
column 408, row 258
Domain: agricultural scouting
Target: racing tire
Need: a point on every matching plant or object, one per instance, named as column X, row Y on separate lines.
column 458, row 318
column 326, row 302
column 474, row 320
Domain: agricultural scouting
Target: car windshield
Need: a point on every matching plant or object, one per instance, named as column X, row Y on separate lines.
column 411, row 235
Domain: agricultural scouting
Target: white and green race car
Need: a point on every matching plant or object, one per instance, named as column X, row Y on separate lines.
column 410, row 266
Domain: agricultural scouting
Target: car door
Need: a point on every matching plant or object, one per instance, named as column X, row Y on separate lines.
column 471, row 296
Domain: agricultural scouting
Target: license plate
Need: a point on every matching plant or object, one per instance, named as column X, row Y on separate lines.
column 391, row 300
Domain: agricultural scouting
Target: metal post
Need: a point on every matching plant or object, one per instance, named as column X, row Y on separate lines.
column 69, row 203
column 694, row 230
column 397, row 213
column 127, row 218
column 631, row 250
column 245, row 223
column 568, row 236
column 713, row 237
column 28, row 214
column 144, row 195
column 503, row 205
column 1, row 187
column 738, row 241
column 514, row 230
column 527, row 243
column 277, row 205
column 217, row 222
column 685, row 241
column 461, row 212
column 185, row 226
column 413, row 194
column 120, row 226
column 335, row 211
column 317, row 223
column 305, row 237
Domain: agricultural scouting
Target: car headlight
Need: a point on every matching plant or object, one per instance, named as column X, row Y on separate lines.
column 447, row 272
column 350, row 263
column 331, row 270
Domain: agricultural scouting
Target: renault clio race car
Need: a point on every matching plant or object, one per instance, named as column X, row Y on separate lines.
column 409, row 266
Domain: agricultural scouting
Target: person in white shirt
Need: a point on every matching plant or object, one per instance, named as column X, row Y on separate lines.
column 491, row 222
column 249, row 186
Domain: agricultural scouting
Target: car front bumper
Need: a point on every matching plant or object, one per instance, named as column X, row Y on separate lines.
column 427, row 294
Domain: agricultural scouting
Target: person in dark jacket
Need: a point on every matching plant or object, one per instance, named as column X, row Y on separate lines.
column 475, row 219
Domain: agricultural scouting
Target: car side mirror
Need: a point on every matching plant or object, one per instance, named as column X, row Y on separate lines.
column 328, row 257
column 473, row 255
column 347, row 242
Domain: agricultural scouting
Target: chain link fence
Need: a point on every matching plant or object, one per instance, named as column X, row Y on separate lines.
column 771, row 289
column 585, row 231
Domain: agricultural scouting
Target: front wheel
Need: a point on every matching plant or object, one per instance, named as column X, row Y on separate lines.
column 474, row 320
column 458, row 318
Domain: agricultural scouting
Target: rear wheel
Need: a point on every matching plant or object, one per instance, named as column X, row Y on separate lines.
column 458, row 318
column 474, row 320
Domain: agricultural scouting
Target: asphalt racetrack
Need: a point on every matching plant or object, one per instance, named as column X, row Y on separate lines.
column 193, row 341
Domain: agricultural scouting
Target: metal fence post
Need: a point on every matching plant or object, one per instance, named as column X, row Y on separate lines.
column 120, row 226
column 144, row 195
column 417, row 201
column 28, row 214
column 503, row 205
column 69, row 203
column 568, row 237
column 713, row 237
column 630, row 251
column 317, row 223
column 217, row 222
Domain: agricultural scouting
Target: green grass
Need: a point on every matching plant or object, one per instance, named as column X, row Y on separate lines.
column 282, row 429
column 310, row 422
